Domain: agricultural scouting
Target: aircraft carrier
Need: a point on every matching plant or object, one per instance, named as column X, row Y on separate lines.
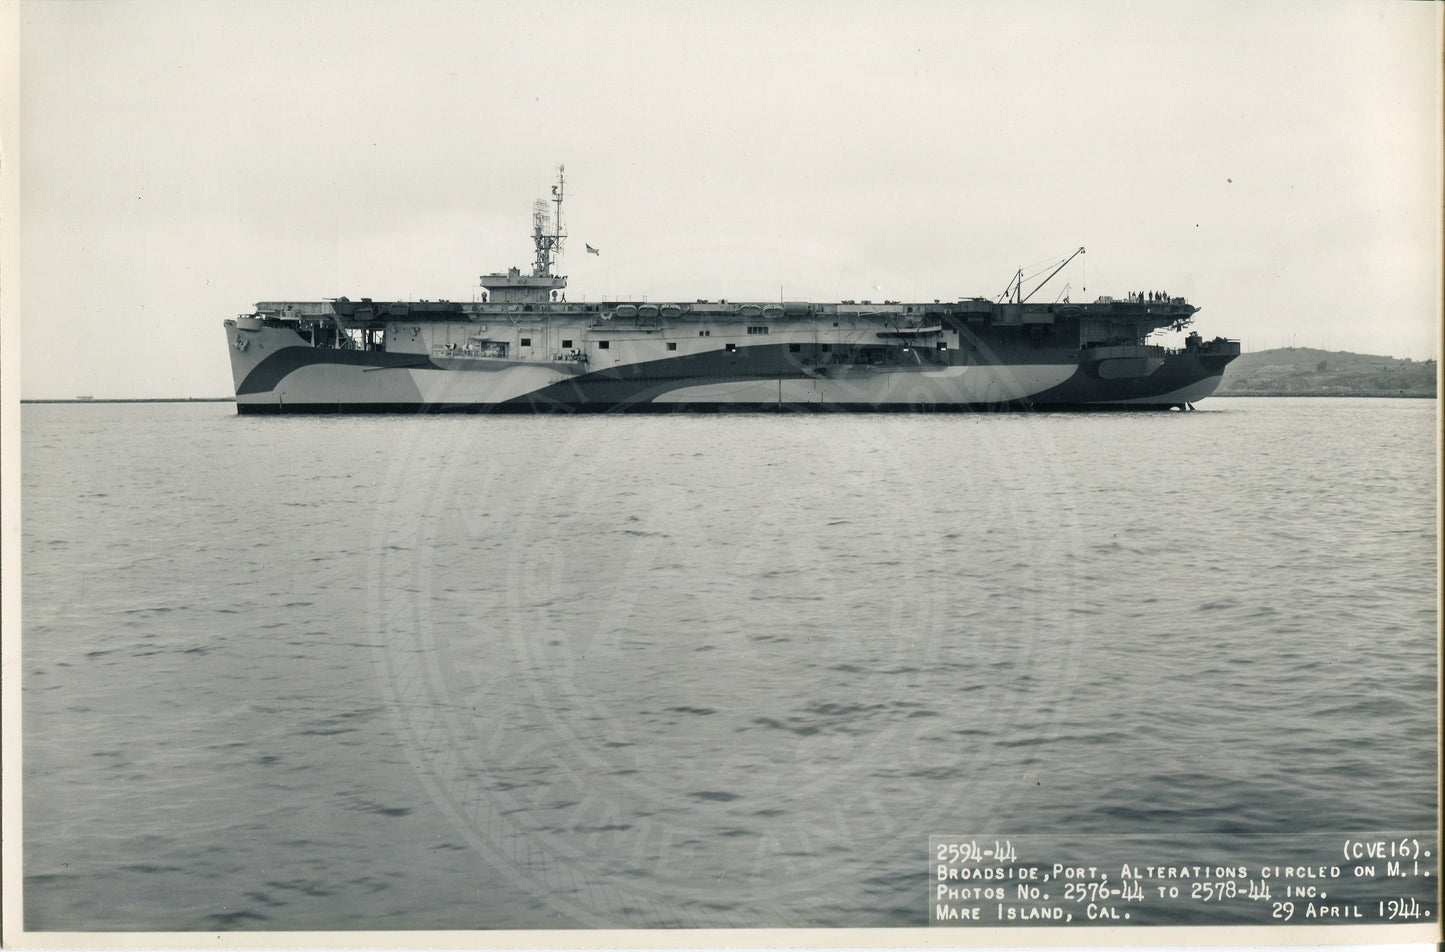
column 522, row 347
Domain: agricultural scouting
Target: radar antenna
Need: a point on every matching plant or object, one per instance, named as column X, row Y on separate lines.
column 547, row 233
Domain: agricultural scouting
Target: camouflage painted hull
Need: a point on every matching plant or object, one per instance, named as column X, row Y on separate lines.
column 332, row 357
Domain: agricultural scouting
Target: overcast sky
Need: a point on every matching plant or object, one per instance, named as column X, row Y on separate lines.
column 1276, row 162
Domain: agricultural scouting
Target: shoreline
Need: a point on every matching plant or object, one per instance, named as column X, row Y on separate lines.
column 134, row 400
column 1321, row 393
column 1291, row 393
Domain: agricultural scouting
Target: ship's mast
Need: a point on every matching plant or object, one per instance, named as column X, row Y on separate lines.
column 547, row 233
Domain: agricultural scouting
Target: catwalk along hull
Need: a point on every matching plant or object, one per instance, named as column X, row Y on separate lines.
column 328, row 357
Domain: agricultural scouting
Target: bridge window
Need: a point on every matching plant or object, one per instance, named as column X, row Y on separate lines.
column 603, row 345
column 757, row 330
column 704, row 333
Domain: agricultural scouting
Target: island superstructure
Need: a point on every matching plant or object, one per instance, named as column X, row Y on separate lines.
column 522, row 347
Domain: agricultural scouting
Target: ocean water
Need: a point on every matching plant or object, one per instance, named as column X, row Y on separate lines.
column 503, row 672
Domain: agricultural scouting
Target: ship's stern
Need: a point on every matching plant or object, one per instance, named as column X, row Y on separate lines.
column 1183, row 378
column 1143, row 377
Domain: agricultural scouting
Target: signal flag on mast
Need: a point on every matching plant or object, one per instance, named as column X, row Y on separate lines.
column 592, row 251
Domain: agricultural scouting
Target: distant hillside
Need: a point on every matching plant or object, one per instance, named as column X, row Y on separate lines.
column 1303, row 371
